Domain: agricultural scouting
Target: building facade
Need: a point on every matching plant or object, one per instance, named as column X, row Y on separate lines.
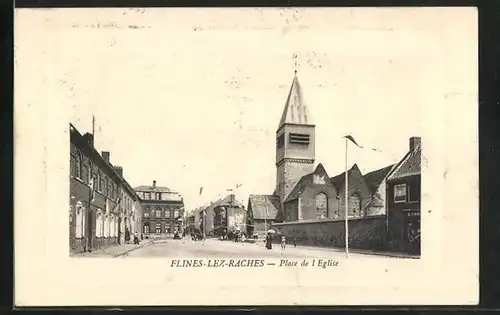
column 102, row 210
column 163, row 210
column 403, row 196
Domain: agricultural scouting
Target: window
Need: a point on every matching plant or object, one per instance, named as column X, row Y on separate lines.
column 106, row 226
column 158, row 196
column 98, row 224
column 110, row 189
column 158, row 213
column 176, row 213
column 85, row 174
column 354, row 206
column 167, row 213
column 80, row 220
column 146, row 228
column 413, row 195
column 78, row 165
column 280, row 141
column 146, row 212
column 72, row 166
column 299, row 138
column 98, row 181
column 158, row 228
column 102, row 186
column 321, row 206
column 400, row 193
column 147, row 196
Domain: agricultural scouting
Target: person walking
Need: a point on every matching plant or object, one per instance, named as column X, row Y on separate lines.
column 269, row 241
column 283, row 242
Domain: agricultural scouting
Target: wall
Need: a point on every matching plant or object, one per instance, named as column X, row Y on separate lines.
column 398, row 214
column 356, row 185
column 364, row 233
column 290, row 172
column 308, row 201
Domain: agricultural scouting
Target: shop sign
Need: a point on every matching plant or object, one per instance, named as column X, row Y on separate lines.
column 413, row 213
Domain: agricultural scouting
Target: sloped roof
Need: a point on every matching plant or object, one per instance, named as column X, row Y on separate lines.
column 304, row 181
column 296, row 111
column 409, row 166
column 264, row 206
column 338, row 180
column 374, row 178
column 375, row 202
column 224, row 202
column 145, row 188
column 299, row 187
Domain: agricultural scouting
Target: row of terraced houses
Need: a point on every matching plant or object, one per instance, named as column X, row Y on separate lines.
column 104, row 209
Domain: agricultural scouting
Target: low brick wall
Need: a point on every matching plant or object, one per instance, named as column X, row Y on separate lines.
column 364, row 233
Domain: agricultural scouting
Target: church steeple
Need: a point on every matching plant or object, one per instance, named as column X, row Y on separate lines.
column 295, row 147
column 296, row 110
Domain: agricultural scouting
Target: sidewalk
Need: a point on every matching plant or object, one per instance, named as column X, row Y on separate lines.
column 342, row 250
column 114, row 251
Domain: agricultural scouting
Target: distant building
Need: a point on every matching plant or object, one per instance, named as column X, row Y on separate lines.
column 163, row 209
column 223, row 216
column 109, row 212
column 403, row 196
column 262, row 211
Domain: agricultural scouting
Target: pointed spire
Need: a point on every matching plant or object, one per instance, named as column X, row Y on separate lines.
column 295, row 111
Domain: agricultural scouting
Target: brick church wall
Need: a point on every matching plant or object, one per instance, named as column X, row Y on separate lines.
column 364, row 233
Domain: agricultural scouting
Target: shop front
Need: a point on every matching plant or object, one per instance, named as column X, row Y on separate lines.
column 411, row 233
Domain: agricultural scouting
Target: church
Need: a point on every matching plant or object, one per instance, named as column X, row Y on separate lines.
column 305, row 192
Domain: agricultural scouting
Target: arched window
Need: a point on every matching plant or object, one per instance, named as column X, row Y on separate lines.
column 354, row 206
column 80, row 220
column 321, row 206
column 98, row 224
column 106, row 225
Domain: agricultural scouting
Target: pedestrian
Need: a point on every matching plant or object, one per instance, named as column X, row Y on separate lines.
column 269, row 241
column 136, row 238
column 294, row 240
column 283, row 242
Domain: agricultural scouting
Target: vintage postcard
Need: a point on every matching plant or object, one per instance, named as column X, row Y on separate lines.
column 277, row 156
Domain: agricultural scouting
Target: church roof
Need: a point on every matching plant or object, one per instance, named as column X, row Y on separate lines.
column 264, row 206
column 339, row 180
column 304, row 181
column 296, row 111
column 375, row 178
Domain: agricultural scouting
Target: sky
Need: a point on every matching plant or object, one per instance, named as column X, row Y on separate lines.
column 195, row 102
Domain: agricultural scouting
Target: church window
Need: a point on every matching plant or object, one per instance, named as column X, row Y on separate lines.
column 321, row 206
column 354, row 206
column 299, row 138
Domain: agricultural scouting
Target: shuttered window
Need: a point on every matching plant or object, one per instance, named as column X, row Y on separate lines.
column 299, row 138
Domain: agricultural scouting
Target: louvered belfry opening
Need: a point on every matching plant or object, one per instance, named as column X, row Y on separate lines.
column 299, row 138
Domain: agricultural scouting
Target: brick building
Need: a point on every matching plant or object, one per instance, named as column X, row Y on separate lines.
column 163, row 209
column 305, row 193
column 106, row 214
column 403, row 196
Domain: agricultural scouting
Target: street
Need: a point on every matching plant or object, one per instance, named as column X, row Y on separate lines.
column 217, row 249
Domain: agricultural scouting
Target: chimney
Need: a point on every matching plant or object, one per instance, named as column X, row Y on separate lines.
column 414, row 143
column 154, row 184
column 119, row 170
column 105, row 156
column 89, row 138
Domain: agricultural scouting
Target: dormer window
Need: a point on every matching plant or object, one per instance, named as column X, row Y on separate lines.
column 299, row 138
